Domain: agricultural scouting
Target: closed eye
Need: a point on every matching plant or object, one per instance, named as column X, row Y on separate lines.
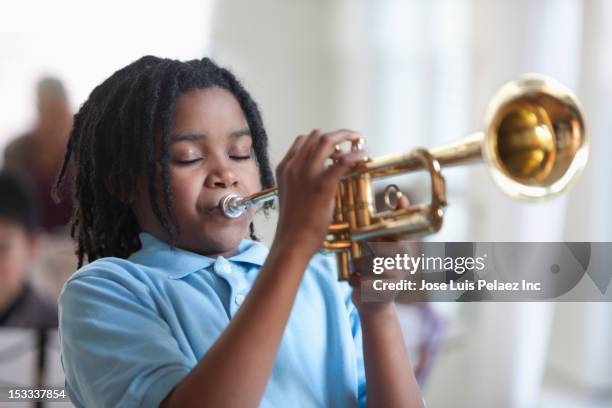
column 187, row 162
column 239, row 158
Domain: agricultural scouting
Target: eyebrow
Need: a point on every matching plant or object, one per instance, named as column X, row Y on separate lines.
column 239, row 133
column 191, row 137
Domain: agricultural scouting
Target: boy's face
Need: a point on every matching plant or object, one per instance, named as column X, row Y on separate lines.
column 16, row 251
column 210, row 156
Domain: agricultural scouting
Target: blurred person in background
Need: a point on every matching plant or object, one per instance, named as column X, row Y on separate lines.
column 35, row 159
column 36, row 156
column 20, row 304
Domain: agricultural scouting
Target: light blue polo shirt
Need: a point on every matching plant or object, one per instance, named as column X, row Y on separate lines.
column 130, row 330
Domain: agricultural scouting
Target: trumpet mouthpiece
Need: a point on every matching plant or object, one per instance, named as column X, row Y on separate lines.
column 232, row 206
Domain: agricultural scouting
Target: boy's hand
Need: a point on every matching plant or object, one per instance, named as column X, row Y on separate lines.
column 307, row 186
column 382, row 305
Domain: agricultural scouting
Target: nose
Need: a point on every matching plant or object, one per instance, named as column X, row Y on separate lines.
column 221, row 176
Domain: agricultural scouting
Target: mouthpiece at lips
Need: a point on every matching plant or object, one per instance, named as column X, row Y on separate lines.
column 231, row 206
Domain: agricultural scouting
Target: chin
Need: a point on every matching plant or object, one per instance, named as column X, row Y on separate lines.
column 218, row 241
column 213, row 236
column 219, row 244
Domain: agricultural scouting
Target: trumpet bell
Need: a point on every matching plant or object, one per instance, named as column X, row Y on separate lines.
column 535, row 138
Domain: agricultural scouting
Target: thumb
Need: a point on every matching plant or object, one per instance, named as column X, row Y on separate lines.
column 403, row 202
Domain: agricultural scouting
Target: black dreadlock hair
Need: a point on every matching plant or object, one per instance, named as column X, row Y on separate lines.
column 113, row 142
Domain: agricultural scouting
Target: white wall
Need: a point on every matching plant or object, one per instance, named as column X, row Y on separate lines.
column 84, row 43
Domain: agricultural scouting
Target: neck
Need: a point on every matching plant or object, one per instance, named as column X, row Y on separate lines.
column 226, row 254
column 195, row 247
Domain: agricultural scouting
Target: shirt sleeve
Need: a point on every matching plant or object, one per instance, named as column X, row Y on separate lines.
column 117, row 351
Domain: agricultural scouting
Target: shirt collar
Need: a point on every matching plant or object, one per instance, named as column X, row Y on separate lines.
column 178, row 263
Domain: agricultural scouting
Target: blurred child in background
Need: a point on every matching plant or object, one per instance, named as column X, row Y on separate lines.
column 20, row 304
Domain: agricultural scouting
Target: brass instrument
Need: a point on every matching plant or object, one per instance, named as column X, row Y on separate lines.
column 534, row 144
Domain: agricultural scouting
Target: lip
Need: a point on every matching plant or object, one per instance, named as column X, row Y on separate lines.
column 215, row 214
column 212, row 207
column 215, row 210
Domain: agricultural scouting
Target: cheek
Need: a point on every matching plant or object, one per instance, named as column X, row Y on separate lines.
column 185, row 191
column 250, row 177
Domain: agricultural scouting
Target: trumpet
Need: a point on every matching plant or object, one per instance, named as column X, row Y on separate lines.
column 534, row 144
